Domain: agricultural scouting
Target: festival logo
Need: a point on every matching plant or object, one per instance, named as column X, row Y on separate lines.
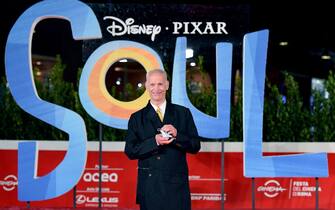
column 9, row 183
column 271, row 188
column 302, row 189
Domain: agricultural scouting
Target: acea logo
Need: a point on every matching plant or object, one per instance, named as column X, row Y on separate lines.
column 9, row 182
column 271, row 188
column 101, row 106
column 105, row 177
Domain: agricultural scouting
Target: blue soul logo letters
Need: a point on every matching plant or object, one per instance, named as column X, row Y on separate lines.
column 84, row 25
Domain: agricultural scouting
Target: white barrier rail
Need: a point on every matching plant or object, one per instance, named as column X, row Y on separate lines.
column 118, row 146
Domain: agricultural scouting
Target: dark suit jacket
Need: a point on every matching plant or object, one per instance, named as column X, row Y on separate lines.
column 162, row 182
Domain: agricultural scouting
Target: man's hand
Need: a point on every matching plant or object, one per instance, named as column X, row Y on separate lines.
column 160, row 140
column 170, row 130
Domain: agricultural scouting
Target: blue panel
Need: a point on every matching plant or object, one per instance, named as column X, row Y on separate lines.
column 255, row 165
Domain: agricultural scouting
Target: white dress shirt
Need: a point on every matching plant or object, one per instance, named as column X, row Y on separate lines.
column 162, row 107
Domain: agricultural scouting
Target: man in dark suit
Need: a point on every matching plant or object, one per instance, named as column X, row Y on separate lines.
column 162, row 181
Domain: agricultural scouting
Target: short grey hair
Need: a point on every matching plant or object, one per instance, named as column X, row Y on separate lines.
column 156, row 71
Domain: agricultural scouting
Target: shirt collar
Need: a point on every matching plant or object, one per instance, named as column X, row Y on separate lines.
column 162, row 107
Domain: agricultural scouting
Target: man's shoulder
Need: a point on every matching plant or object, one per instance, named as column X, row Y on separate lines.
column 139, row 112
column 179, row 107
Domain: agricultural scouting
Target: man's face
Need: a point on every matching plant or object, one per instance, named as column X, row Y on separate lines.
column 157, row 86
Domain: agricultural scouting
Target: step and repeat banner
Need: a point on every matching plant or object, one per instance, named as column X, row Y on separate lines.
column 60, row 166
column 119, row 174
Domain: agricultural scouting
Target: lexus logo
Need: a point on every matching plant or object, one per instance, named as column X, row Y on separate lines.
column 81, row 199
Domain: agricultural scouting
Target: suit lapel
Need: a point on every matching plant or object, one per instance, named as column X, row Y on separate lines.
column 152, row 116
column 169, row 116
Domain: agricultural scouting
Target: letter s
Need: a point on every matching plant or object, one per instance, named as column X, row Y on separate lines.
column 20, row 79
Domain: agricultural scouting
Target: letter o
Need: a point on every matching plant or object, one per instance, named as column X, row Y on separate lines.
column 87, row 177
column 93, row 93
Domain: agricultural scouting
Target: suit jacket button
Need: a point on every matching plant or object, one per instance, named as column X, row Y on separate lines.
column 149, row 175
column 158, row 158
